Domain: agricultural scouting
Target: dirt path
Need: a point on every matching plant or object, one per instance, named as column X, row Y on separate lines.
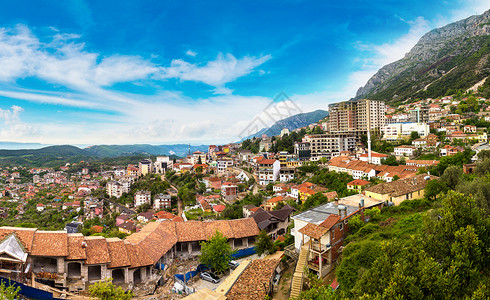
column 281, row 291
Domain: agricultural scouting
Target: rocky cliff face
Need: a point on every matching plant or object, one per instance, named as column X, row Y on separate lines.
column 460, row 49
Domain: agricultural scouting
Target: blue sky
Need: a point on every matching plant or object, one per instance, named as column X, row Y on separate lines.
column 160, row 72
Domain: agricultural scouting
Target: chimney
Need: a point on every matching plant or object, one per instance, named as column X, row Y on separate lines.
column 84, row 245
column 336, row 201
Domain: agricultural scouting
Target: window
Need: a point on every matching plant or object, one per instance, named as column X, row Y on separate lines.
column 341, row 226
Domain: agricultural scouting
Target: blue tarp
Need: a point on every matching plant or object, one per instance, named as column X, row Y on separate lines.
column 243, row 252
column 28, row 291
column 160, row 266
column 185, row 277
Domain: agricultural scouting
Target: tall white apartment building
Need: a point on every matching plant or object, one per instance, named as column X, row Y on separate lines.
column 356, row 115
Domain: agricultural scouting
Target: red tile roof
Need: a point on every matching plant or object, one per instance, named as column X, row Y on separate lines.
column 50, row 243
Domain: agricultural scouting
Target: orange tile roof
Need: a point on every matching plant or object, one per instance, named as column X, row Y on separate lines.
column 313, row 230
column 221, row 226
column 75, row 249
column 137, row 256
column 50, row 243
column 358, row 182
column 25, row 235
column 254, row 280
column 97, row 250
column 118, row 253
column 190, row 231
column 330, row 221
column 275, row 199
column 244, row 227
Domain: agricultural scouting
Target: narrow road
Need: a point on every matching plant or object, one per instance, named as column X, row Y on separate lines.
column 122, row 207
column 180, row 205
column 255, row 188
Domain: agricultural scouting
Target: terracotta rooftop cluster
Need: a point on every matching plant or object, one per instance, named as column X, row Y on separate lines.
column 403, row 186
column 254, row 281
column 139, row 249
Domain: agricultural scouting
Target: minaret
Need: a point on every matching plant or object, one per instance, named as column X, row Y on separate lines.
column 369, row 130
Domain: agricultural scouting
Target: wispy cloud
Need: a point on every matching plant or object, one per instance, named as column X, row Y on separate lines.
column 13, row 128
column 224, row 69
column 191, row 53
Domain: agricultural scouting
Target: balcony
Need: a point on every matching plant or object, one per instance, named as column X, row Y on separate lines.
column 318, row 247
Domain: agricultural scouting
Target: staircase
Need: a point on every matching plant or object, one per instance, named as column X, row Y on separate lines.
column 297, row 282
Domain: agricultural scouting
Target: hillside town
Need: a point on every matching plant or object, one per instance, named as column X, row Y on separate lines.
column 144, row 224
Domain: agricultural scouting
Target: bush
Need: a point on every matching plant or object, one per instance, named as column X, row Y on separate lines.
column 373, row 214
column 355, row 223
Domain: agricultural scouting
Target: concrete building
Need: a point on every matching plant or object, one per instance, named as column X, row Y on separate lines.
column 162, row 164
column 268, row 171
column 142, row 197
column 397, row 131
column 229, row 191
column 329, row 144
column 356, row 115
column 145, row 167
column 320, row 231
column 162, row 201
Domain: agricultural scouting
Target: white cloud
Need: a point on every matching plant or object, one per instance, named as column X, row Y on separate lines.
column 65, row 61
column 224, row 69
column 13, row 128
column 191, row 53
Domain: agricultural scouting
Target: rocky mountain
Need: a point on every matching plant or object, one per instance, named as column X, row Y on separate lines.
column 292, row 123
column 444, row 60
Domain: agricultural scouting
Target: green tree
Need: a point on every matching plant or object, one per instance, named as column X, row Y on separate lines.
column 414, row 135
column 434, row 187
column 8, row 292
column 264, row 244
column 216, row 252
column 106, row 290
column 451, row 176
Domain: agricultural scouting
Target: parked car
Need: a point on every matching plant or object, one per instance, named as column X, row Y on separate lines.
column 209, row 276
column 276, row 279
column 233, row 264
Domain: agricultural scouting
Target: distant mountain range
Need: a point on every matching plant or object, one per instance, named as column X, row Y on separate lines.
column 456, row 56
column 71, row 153
column 124, row 150
column 38, row 154
column 292, row 123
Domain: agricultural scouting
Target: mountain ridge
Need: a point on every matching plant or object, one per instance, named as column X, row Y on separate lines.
column 293, row 122
column 455, row 56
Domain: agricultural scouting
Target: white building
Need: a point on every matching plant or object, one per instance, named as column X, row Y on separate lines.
column 396, row 131
column 162, row 164
column 113, row 189
column 223, row 165
column 376, row 157
column 284, row 131
column 142, row 197
column 269, row 170
column 405, row 150
column 120, row 172
column 286, row 174
column 243, row 177
column 195, row 157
